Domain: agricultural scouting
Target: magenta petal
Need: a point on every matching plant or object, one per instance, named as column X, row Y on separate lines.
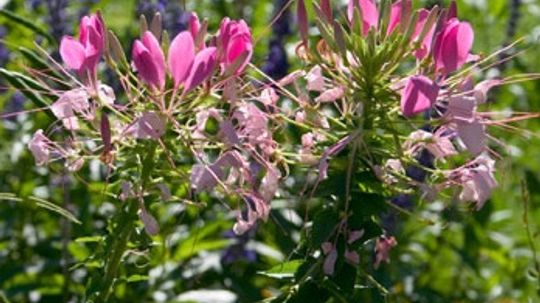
column 148, row 71
column 418, row 96
column 181, row 56
column 203, row 67
column 395, row 14
column 154, row 48
column 370, row 14
column 72, row 53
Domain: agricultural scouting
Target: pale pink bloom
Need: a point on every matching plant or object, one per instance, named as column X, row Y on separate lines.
column 382, row 249
column 438, row 144
column 151, row 226
column 368, row 11
column 268, row 97
column 83, row 55
column 74, row 165
column 471, row 131
column 355, row 235
column 327, row 247
column 481, row 89
column 290, row 78
column 256, row 209
column 329, row 264
column 106, row 94
column 207, row 177
column 473, row 136
column 253, row 128
column 165, row 191
column 352, row 257
column 201, row 118
column 40, row 146
column 453, row 45
column 477, row 180
column 70, row 103
column 149, row 60
column 331, row 95
column 126, row 191
column 235, row 40
column 181, row 56
column 149, row 126
column 419, row 95
column 269, row 184
column 315, row 80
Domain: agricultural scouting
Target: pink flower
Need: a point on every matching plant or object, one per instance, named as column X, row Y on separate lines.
column 149, row 126
column 477, row 180
column 425, row 44
column 382, row 249
column 419, row 94
column 202, row 68
column 453, row 45
column 369, row 12
column 149, row 60
column 235, row 42
column 181, row 56
column 395, row 14
column 83, row 55
column 70, row 103
column 40, row 147
column 194, row 25
column 315, row 79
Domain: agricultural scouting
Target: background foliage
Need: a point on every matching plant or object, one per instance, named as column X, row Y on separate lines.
column 484, row 256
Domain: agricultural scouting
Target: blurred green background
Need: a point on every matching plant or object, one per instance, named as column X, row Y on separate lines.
column 484, row 256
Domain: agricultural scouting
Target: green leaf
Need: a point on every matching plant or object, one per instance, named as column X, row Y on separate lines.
column 136, row 278
column 30, row 24
column 284, row 270
column 55, row 208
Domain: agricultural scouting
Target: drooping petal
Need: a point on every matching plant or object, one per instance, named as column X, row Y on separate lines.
column 203, row 66
column 39, row 147
column 419, row 95
column 72, row 53
column 181, row 56
column 315, row 79
column 473, row 136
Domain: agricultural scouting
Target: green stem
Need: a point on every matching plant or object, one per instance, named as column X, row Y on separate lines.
column 123, row 230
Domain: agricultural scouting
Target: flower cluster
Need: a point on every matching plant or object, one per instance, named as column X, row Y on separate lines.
column 185, row 94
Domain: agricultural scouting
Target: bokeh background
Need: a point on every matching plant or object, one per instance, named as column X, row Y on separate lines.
column 486, row 256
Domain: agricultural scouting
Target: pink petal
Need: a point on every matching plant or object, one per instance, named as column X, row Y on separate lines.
column 481, row 89
column 453, row 45
column 72, row 53
column 194, row 25
column 238, row 45
column 330, row 262
column 203, row 67
column 147, row 68
column 370, row 14
column 330, row 95
column 395, row 14
column 418, row 96
column 181, row 56
column 473, row 136
column 425, row 45
column 156, row 53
